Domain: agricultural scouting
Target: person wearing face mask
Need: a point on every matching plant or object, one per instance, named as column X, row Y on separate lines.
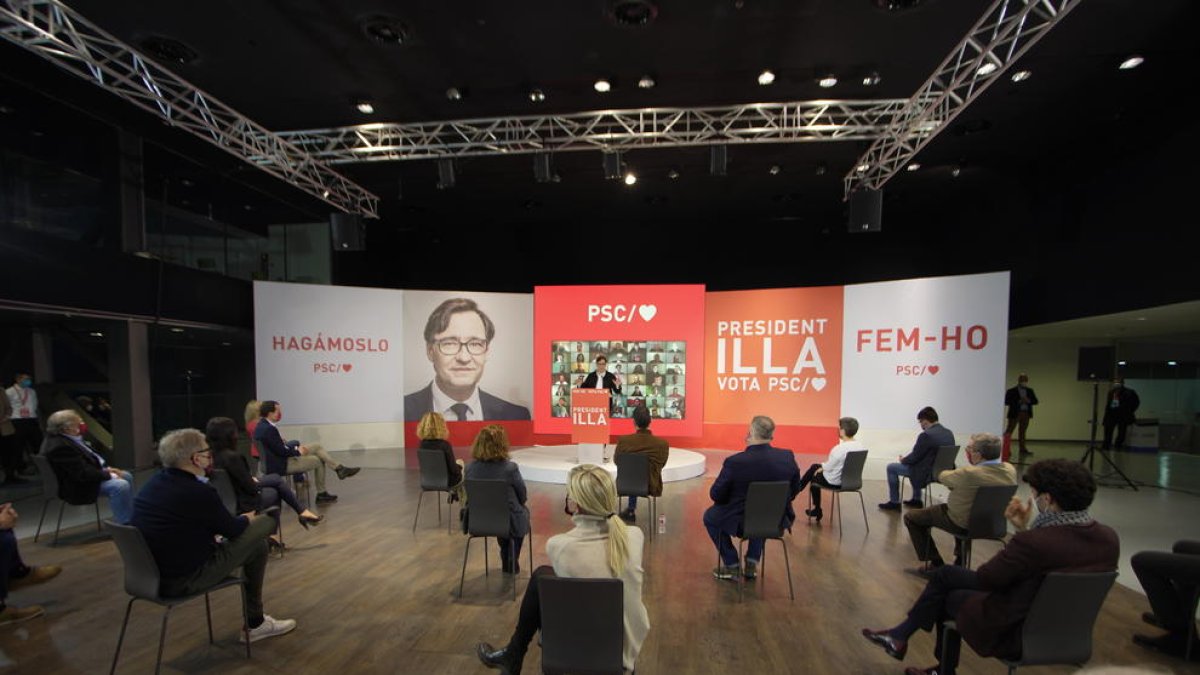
column 180, row 516
column 27, row 434
column 83, row 475
column 1020, row 401
column 989, row 604
column 1121, row 404
column 599, row 546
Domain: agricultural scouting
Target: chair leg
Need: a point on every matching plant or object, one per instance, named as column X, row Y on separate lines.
column 162, row 639
column 966, row 553
column 121, row 637
column 741, row 580
column 45, row 506
column 466, row 550
column 863, row 503
column 837, row 506
column 418, row 514
column 438, row 499
column 97, row 505
column 208, row 615
column 62, row 505
column 246, row 617
column 485, row 557
column 788, row 563
column 512, row 554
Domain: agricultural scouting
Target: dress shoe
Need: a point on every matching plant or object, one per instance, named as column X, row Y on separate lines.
column 931, row 670
column 914, row 503
column 750, row 569
column 895, row 648
column 814, row 513
column 305, row 521
column 726, row 572
column 1149, row 618
column 344, row 472
column 275, row 545
column 326, row 498
column 513, row 567
column 889, row 506
column 37, row 575
column 507, row 661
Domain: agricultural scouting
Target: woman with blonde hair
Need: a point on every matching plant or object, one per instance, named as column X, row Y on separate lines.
column 600, row 546
column 251, row 417
column 433, row 433
column 490, row 452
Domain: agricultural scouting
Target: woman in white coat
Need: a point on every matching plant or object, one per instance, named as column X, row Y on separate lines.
column 600, row 546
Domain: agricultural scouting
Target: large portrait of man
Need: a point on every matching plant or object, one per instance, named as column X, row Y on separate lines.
column 459, row 338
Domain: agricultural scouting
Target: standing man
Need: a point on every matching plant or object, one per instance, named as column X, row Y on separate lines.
column 24, row 401
column 286, row 458
column 180, row 515
column 1020, row 401
column 1122, row 403
column 917, row 464
column 600, row 378
column 11, row 457
column 83, row 475
column 758, row 462
column 457, row 338
column 984, row 468
column 642, row 442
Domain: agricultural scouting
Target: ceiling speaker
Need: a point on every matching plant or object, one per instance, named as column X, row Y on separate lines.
column 866, row 211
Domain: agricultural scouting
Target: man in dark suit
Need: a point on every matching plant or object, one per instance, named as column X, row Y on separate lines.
column 457, row 337
column 83, row 475
column 284, row 458
column 642, row 442
column 758, row 462
column 600, row 378
column 990, row 604
column 1122, row 403
column 1170, row 581
column 1020, row 401
column 918, row 464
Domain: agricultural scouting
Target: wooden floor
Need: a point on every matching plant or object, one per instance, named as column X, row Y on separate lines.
column 372, row 597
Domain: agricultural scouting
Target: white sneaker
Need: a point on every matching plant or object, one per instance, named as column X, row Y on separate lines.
column 270, row 627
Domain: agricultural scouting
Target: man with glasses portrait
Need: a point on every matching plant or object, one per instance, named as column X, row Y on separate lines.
column 457, row 338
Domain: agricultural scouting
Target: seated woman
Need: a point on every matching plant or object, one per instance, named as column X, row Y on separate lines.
column 433, row 434
column 250, row 414
column 253, row 494
column 490, row 452
column 600, row 546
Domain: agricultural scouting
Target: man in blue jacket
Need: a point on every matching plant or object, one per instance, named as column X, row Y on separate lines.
column 918, row 464
column 758, row 462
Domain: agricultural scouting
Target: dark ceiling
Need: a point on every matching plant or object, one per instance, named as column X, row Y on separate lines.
column 1032, row 161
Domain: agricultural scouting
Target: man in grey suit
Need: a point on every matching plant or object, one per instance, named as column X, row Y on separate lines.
column 457, row 337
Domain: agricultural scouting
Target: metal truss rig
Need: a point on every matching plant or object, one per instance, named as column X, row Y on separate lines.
column 605, row 130
column 59, row 34
column 1005, row 32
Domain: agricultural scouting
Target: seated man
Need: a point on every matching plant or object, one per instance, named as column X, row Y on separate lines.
column 287, row 458
column 917, row 464
column 983, row 453
column 642, row 442
column 15, row 574
column 1170, row 581
column 829, row 473
column 83, row 475
column 989, row 604
column 758, row 462
column 180, row 515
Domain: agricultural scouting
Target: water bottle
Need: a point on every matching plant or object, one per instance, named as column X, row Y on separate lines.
column 662, row 523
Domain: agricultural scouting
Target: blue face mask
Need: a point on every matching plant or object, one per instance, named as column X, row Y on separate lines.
column 27, row 383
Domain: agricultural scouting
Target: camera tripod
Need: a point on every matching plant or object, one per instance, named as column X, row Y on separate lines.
column 1089, row 456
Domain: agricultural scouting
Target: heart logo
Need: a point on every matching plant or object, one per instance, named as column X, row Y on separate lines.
column 347, row 366
column 817, row 383
column 933, row 370
column 647, row 312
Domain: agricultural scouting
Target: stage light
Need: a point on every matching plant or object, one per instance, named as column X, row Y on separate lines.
column 1131, row 63
column 914, row 166
column 646, row 82
column 365, row 107
column 1022, row 75
column 774, row 170
column 602, row 86
column 828, row 81
column 537, row 95
column 630, row 178
column 673, row 174
column 871, row 80
column 986, row 69
column 766, row 77
column 861, row 168
column 1172, row 363
column 454, row 94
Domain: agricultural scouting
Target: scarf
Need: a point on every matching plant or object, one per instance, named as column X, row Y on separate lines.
column 1055, row 518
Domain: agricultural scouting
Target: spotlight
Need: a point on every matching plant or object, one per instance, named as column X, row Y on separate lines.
column 956, row 171
column 96, row 334
column 827, row 81
column 536, row 95
column 914, row 166
column 1131, row 63
column 176, row 330
column 673, row 174
column 766, row 77
column 774, row 170
column 1120, row 363
column 602, row 86
column 1022, row 75
column 630, row 178
column 862, row 168
column 646, row 82
column 325, row 194
column 365, row 107
column 986, row 69
column 454, row 94
column 871, row 80
column 1172, row 363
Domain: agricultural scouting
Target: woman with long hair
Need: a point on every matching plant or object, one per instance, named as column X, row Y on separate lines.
column 490, row 452
column 253, row 494
column 251, row 416
column 600, row 546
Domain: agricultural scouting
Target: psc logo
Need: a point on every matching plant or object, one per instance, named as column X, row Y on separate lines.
column 620, row 313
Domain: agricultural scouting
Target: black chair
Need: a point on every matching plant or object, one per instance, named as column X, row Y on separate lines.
column 50, row 492
column 588, row 642
column 1058, row 628
column 766, row 503
column 633, row 480
column 142, row 583
column 219, row 479
column 852, row 481
column 944, row 460
column 986, row 520
column 435, row 477
column 488, row 517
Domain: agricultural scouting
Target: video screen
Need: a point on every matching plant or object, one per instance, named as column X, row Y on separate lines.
column 649, row 373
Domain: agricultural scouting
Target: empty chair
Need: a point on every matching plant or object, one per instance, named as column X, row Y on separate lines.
column 766, row 504
column 142, row 583
column 49, row 492
column 852, row 472
column 633, row 480
column 1058, row 628
column 583, row 625
column 986, row 520
column 488, row 517
column 435, row 477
